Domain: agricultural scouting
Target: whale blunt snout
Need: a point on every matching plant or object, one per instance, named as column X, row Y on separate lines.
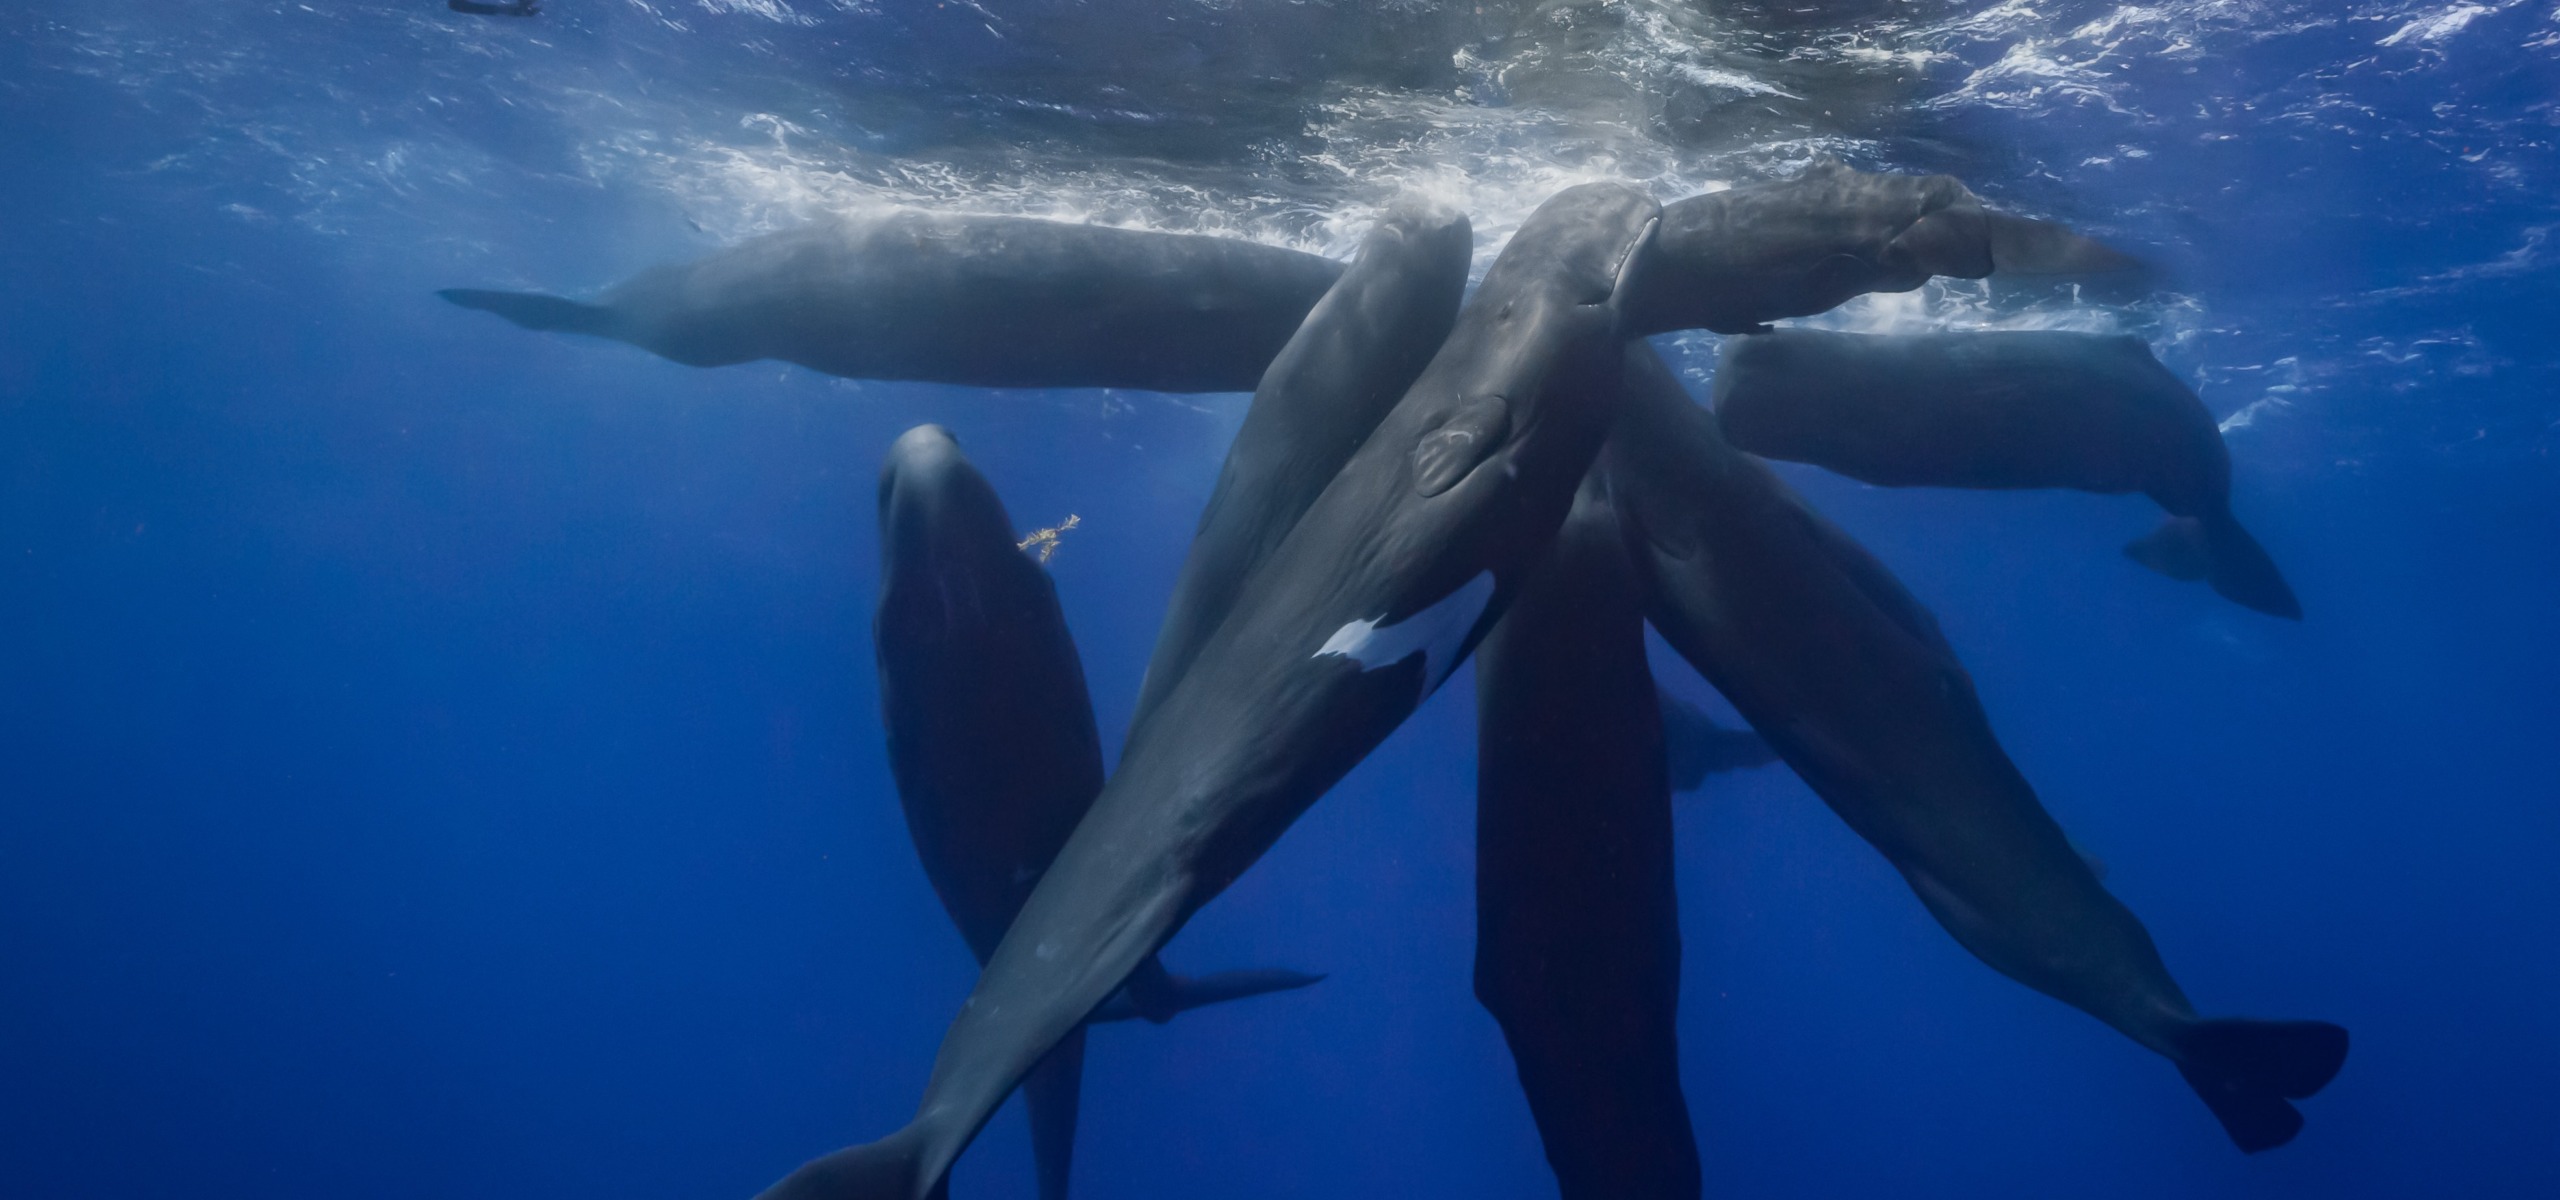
column 921, row 460
column 932, row 497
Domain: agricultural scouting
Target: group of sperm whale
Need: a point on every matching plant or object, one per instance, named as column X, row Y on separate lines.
column 1425, row 474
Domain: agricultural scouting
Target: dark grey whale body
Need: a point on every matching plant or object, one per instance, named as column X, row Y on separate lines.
column 1847, row 675
column 1353, row 357
column 1735, row 260
column 983, row 301
column 992, row 741
column 1379, row 591
column 1577, row 912
column 2010, row 409
column 1019, row 302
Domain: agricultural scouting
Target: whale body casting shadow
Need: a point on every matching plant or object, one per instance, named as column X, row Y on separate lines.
column 1735, row 260
column 1379, row 591
column 992, row 742
column 982, row 301
column 1847, row 675
column 1577, row 911
column 2007, row 409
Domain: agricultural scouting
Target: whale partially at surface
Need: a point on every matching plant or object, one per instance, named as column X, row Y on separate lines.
column 1469, row 475
column 992, row 742
column 1735, row 260
column 1847, row 675
column 976, row 300
column 2005, row 409
column 1577, row 911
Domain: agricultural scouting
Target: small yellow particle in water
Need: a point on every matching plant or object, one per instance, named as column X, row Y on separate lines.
column 1047, row 539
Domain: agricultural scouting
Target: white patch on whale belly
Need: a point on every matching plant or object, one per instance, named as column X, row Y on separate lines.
column 1435, row 633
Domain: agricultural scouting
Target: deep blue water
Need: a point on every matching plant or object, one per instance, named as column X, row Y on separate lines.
column 437, row 760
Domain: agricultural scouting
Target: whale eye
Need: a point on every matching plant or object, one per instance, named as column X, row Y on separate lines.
column 1445, row 455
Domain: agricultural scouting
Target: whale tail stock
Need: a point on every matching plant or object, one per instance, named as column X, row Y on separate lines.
column 2247, row 1072
column 533, row 310
column 1159, row 995
column 2222, row 554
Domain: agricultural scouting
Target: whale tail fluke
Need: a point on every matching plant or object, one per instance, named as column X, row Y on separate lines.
column 2026, row 246
column 533, row 310
column 2247, row 1072
column 2221, row 553
column 1163, row 996
column 1200, row 991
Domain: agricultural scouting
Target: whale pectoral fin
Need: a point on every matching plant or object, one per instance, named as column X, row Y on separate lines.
column 2246, row 1071
column 2026, row 246
column 2238, row 567
column 2175, row 549
column 1200, row 991
column 1470, row 435
column 1694, row 746
column 1150, row 991
column 2223, row 555
column 533, row 310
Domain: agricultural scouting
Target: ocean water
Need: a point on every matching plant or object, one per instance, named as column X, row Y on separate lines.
column 438, row 760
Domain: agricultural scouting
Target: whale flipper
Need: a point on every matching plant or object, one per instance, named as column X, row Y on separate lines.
column 1168, row 995
column 2223, row 555
column 1694, row 746
column 2246, row 1071
column 534, row 310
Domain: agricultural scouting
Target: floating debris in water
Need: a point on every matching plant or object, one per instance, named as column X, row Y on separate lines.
column 1047, row 539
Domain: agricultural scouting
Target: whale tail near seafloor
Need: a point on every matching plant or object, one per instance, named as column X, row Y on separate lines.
column 534, row 310
column 2222, row 554
column 2247, row 1072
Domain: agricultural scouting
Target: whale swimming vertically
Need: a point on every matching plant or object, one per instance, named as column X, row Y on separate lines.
column 1352, row 358
column 978, row 300
column 1735, row 260
column 1363, row 609
column 991, row 737
column 1847, row 675
column 1577, row 913
column 2005, row 409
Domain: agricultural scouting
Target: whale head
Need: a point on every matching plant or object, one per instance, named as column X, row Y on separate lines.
column 933, row 503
